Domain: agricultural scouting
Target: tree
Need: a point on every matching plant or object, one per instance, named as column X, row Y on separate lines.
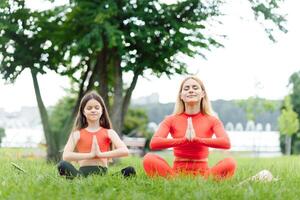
column 288, row 123
column 136, row 121
column 96, row 42
column 24, row 45
column 2, row 134
column 254, row 106
column 60, row 114
column 294, row 84
column 116, row 37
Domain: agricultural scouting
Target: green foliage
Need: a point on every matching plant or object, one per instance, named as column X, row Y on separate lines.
column 294, row 83
column 122, row 29
column 294, row 98
column 267, row 11
column 59, row 115
column 2, row 134
column 24, row 40
column 288, row 120
column 296, row 147
column 135, row 123
column 254, row 106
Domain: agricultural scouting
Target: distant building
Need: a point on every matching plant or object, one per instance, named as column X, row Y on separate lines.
column 250, row 126
column 151, row 99
column 27, row 117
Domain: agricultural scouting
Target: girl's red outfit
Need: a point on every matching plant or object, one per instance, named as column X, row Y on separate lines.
column 84, row 143
column 193, row 153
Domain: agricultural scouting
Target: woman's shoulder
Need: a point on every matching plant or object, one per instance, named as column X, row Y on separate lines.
column 170, row 117
column 213, row 118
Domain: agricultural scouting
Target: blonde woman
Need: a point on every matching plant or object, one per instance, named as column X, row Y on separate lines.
column 191, row 126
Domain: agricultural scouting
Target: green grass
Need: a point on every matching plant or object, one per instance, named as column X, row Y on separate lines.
column 41, row 181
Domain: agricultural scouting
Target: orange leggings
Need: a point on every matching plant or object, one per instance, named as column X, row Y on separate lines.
column 154, row 165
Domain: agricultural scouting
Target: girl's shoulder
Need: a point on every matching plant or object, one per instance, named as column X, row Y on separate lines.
column 111, row 132
column 76, row 134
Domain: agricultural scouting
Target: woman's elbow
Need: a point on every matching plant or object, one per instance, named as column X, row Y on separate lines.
column 227, row 145
column 153, row 145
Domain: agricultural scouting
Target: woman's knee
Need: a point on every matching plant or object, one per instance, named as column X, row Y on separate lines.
column 149, row 158
column 230, row 163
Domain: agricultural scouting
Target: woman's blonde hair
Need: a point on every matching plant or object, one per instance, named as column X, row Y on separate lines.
column 205, row 106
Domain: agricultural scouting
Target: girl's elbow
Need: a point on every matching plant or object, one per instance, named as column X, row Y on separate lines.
column 126, row 152
column 66, row 157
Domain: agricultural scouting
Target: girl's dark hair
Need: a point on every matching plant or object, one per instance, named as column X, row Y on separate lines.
column 81, row 121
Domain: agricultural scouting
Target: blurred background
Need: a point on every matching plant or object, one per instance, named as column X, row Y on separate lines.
column 135, row 54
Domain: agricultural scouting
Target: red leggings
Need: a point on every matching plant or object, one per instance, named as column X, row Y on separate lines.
column 154, row 165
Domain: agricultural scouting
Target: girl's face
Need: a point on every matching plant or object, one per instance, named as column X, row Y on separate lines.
column 191, row 91
column 92, row 110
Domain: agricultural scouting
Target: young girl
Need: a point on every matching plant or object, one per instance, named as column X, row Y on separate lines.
column 192, row 126
column 90, row 141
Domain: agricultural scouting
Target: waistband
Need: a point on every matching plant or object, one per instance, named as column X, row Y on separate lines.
column 177, row 159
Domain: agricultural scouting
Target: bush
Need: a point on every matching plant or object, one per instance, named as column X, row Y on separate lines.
column 296, row 147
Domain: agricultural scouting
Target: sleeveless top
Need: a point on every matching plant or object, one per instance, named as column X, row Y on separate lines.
column 84, row 143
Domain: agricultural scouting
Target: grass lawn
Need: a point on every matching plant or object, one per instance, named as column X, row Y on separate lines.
column 41, row 181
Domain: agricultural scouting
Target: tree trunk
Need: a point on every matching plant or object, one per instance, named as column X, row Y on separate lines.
column 89, row 80
column 52, row 146
column 116, row 111
column 288, row 144
column 102, row 68
column 126, row 100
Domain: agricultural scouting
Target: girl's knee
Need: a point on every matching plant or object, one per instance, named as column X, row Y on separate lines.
column 62, row 164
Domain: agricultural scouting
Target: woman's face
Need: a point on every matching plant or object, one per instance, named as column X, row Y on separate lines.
column 191, row 91
column 92, row 110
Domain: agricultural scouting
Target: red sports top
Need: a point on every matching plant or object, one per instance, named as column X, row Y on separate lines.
column 204, row 125
column 84, row 143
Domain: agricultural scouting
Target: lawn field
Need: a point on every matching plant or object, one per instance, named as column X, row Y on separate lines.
column 41, row 181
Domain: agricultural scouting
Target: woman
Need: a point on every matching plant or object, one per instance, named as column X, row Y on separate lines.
column 191, row 126
column 89, row 143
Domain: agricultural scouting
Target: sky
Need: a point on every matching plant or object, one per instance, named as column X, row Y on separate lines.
column 249, row 64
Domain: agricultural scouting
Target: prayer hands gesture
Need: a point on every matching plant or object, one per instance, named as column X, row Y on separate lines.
column 190, row 134
column 95, row 150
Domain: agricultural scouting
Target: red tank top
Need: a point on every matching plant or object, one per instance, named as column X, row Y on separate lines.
column 84, row 143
